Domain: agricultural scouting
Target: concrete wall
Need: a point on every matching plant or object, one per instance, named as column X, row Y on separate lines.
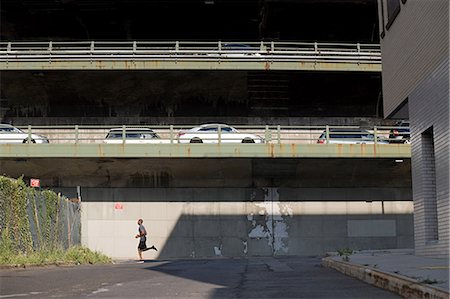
column 206, row 222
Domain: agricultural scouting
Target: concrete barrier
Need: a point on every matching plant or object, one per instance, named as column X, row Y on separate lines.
column 404, row 286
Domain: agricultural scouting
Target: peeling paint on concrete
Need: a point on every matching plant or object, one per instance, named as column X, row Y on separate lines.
column 218, row 250
column 275, row 228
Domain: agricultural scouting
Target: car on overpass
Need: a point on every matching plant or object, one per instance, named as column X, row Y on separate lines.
column 209, row 133
column 11, row 134
column 133, row 136
column 349, row 136
column 401, row 133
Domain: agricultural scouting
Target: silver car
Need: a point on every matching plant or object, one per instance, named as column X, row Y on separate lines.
column 10, row 134
column 349, row 136
column 209, row 133
column 133, row 136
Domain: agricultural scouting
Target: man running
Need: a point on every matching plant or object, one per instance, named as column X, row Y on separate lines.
column 143, row 238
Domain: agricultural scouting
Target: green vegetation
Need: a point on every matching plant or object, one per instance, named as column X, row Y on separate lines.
column 38, row 228
column 345, row 253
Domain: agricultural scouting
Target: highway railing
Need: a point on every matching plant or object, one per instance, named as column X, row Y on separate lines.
column 173, row 134
column 57, row 51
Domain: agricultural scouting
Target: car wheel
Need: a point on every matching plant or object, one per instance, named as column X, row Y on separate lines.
column 248, row 140
column 196, row 140
column 31, row 141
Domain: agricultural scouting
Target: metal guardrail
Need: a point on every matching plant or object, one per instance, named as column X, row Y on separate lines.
column 170, row 134
column 55, row 51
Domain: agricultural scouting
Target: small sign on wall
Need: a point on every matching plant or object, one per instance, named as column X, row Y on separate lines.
column 118, row 206
column 35, row 183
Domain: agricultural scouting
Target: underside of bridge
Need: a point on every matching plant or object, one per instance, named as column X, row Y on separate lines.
column 248, row 20
column 211, row 206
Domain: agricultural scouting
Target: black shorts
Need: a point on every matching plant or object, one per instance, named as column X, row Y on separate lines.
column 142, row 244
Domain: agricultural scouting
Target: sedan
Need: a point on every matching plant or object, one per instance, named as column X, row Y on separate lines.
column 209, row 133
column 349, row 136
column 10, row 134
column 133, row 136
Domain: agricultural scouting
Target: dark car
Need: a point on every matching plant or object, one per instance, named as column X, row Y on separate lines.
column 400, row 133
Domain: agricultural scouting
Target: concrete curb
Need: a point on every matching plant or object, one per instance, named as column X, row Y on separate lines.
column 404, row 286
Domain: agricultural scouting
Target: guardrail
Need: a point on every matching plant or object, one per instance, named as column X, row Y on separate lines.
column 213, row 133
column 56, row 51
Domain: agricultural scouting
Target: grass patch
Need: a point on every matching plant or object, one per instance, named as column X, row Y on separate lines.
column 74, row 255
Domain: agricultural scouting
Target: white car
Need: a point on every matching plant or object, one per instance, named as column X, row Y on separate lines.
column 133, row 136
column 209, row 133
column 10, row 134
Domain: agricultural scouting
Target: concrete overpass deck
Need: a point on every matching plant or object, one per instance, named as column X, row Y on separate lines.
column 178, row 55
column 238, row 150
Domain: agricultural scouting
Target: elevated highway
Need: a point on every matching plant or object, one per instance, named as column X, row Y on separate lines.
column 277, row 142
column 182, row 55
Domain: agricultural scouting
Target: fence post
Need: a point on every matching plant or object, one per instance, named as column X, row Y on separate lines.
column 29, row 134
column 327, row 133
column 375, row 134
column 69, row 242
column 279, row 134
column 76, row 134
column 123, row 134
column 267, row 134
column 171, row 134
column 220, row 133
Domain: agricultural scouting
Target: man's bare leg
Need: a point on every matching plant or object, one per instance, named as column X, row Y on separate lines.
column 140, row 255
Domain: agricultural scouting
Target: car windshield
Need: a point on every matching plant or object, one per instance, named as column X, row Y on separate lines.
column 10, row 130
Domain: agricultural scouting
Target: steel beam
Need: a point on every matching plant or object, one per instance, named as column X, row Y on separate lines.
column 237, row 150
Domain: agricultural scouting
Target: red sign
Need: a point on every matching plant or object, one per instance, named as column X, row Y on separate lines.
column 118, row 206
column 35, row 182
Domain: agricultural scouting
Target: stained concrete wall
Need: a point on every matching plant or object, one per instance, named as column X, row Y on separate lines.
column 206, row 222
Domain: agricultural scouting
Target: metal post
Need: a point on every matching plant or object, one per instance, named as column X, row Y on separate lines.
column 134, row 46
column 375, row 134
column 29, row 134
column 279, row 134
column 220, row 133
column 272, row 46
column 50, row 46
column 76, row 134
column 261, row 46
column 123, row 134
column 171, row 134
column 316, row 49
column 177, row 46
column 92, row 46
column 220, row 46
column 267, row 134
column 8, row 47
column 327, row 133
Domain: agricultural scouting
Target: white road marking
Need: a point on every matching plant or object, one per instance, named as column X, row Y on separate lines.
column 101, row 290
column 13, row 295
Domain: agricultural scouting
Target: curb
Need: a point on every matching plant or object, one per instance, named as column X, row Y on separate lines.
column 401, row 285
column 31, row 266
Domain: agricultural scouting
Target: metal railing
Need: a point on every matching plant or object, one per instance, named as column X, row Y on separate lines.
column 172, row 134
column 56, row 51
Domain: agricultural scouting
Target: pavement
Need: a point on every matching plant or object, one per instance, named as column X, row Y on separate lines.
column 265, row 277
column 398, row 270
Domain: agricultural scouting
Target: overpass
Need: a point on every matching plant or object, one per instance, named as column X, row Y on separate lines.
column 183, row 55
column 278, row 142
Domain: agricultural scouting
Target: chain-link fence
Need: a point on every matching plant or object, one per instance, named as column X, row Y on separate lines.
column 32, row 219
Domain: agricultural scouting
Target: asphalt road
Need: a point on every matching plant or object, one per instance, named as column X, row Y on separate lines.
column 287, row 277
